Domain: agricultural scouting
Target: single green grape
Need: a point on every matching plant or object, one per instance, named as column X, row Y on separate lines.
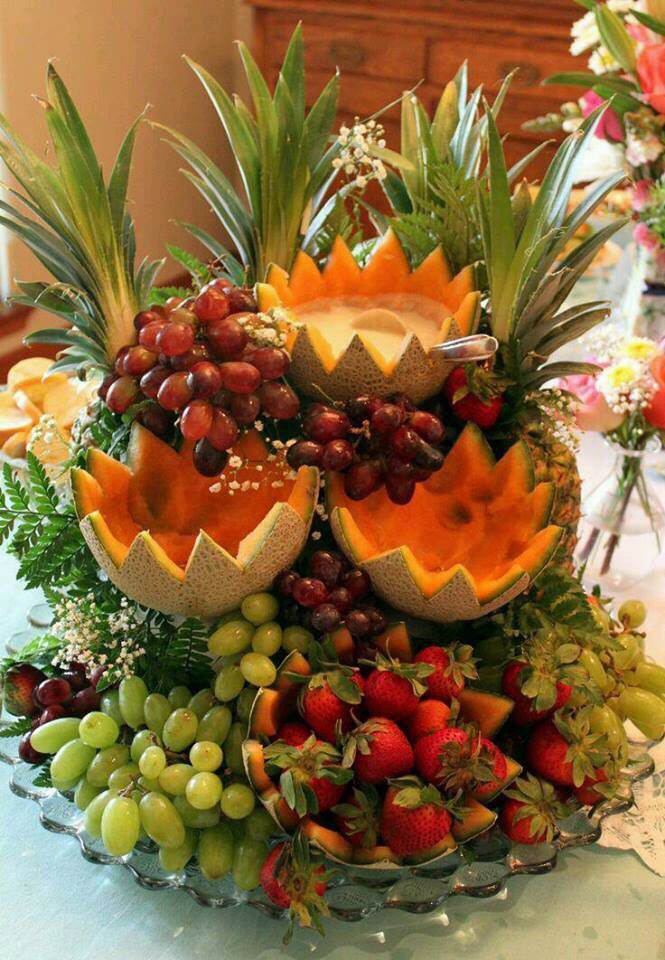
column 258, row 825
column 258, row 670
column 92, row 818
column 248, row 858
column 649, row 676
column 245, row 702
column 630, row 653
column 120, row 826
column 176, row 859
column 180, row 729
column 197, row 819
column 267, row 639
column 161, row 820
column 594, row 667
column 55, row 734
column 604, row 720
column 98, row 730
column 85, row 794
column 123, row 776
column 71, row 762
column 645, row 709
column 259, row 608
column 297, row 638
column 237, row 801
column 151, row 762
column 179, row 697
column 156, row 710
column 206, row 756
column 173, row 779
column 203, row 790
column 141, row 741
column 215, row 724
column 105, row 763
column 632, row 614
column 133, row 695
column 110, row 705
column 233, row 748
column 229, row 682
column 201, row 702
column 215, row 851
column 230, row 638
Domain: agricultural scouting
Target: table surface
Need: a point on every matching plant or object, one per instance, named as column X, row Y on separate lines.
column 597, row 905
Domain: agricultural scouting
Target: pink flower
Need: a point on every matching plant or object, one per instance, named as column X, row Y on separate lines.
column 642, row 194
column 651, row 71
column 592, row 412
column 609, row 126
column 645, row 238
column 638, row 33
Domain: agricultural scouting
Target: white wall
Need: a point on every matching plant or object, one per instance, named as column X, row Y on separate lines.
column 116, row 56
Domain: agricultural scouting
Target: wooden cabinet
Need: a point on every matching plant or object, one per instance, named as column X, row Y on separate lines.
column 387, row 46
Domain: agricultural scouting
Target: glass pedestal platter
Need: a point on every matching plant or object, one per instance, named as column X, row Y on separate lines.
column 480, row 869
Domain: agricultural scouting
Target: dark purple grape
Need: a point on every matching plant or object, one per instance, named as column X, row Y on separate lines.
column 53, row 690
column 310, row 592
column 428, row 457
column 400, row 489
column 358, row 623
column 362, row 479
column 241, row 300
column 85, row 701
column 304, row 453
column 326, row 566
column 27, row 752
column 325, row 617
column 377, row 619
column 54, row 712
column 285, row 583
column 204, row 379
column 357, row 583
column 198, row 353
column 341, row 598
column 209, row 461
column 337, row 455
column 245, row 409
column 405, row 444
column 327, row 425
column 157, row 421
column 361, row 408
column 278, row 400
column 386, row 419
column 76, row 680
column 96, row 676
column 427, row 426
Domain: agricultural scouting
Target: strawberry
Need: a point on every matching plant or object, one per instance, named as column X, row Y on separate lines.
column 451, row 666
column 393, row 689
column 530, row 809
column 525, row 712
column 327, row 700
column 594, row 789
column 294, row 880
column 474, row 395
column 294, row 733
column 565, row 751
column 357, row 817
column 311, row 779
column 378, row 750
column 429, row 716
column 19, row 682
column 414, row 817
column 455, row 759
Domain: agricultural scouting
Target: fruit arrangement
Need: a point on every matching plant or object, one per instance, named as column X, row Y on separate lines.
column 313, row 601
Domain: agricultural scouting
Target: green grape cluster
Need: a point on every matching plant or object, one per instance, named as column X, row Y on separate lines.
column 170, row 768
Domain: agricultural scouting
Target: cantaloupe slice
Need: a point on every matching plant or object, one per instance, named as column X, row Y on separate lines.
column 316, row 370
column 473, row 537
column 169, row 542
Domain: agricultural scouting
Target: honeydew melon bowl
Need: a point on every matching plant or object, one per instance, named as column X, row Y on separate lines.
column 473, row 537
column 274, row 705
column 387, row 284
column 170, row 543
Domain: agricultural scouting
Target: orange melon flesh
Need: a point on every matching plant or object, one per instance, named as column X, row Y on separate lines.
column 162, row 492
column 488, row 710
column 471, row 516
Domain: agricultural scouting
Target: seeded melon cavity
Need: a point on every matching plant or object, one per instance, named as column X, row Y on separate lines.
column 382, row 291
column 170, row 543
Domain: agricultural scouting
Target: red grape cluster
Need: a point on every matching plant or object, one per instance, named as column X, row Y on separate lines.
column 333, row 593
column 33, row 694
column 207, row 363
column 372, row 442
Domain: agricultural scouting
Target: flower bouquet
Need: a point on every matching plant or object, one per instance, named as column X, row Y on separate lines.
column 314, row 621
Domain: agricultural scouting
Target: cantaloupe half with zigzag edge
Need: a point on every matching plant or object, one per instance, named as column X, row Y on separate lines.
column 168, row 542
column 386, row 282
column 473, row 537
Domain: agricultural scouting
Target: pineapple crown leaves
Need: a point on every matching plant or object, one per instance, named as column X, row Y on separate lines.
column 283, row 156
column 299, row 765
column 541, row 804
column 362, row 815
column 529, row 273
column 80, row 231
column 413, row 672
column 299, row 871
column 587, row 751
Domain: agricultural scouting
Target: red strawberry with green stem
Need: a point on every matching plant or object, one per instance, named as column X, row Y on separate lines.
column 456, row 758
column 428, row 717
column 311, row 778
column 378, row 750
column 327, row 700
column 475, row 395
column 452, row 665
column 599, row 786
column 295, row 880
column 415, row 817
column 565, row 752
column 357, row 817
column 294, row 733
column 530, row 810
column 393, row 689
column 535, row 690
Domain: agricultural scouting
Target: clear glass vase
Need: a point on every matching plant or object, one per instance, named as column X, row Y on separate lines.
column 643, row 298
column 623, row 528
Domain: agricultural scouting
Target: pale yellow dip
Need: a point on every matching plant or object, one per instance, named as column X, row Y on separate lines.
column 385, row 320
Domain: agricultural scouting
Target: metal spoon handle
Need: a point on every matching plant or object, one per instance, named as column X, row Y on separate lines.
column 479, row 346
